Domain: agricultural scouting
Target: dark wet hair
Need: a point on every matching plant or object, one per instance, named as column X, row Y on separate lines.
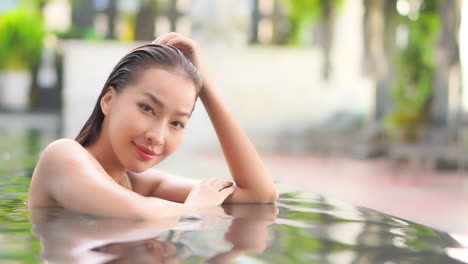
column 126, row 72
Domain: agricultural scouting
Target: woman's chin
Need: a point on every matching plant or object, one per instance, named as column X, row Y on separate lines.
column 139, row 169
column 143, row 167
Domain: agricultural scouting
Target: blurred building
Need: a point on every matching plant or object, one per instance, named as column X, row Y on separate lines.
column 334, row 76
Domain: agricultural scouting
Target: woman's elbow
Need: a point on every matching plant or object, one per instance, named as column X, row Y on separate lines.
column 268, row 197
column 272, row 197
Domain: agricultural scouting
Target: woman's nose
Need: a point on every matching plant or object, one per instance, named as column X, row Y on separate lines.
column 155, row 134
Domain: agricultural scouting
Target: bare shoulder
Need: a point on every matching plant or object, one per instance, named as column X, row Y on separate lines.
column 67, row 157
column 59, row 158
column 61, row 153
column 60, row 147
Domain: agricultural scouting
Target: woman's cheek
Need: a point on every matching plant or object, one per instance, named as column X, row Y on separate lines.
column 138, row 122
column 176, row 140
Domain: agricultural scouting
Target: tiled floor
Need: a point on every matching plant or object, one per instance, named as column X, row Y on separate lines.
column 436, row 199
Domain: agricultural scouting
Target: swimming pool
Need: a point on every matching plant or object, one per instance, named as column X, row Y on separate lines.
column 300, row 228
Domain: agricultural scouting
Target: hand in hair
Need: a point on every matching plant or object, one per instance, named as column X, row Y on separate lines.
column 189, row 48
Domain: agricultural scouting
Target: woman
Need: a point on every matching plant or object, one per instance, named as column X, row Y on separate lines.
column 137, row 122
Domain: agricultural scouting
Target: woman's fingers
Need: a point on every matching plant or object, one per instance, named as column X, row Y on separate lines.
column 218, row 184
column 164, row 38
column 221, row 184
column 187, row 46
column 180, row 41
column 227, row 191
column 158, row 39
column 211, row 191
column 226, row 184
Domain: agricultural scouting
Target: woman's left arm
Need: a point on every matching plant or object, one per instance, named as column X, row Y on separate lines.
column 253, row 183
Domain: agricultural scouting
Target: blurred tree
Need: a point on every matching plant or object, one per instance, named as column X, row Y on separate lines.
column 144, row 26
column 415, row 68
column 379, row 28
column 411, row 56
column 303, row 14
column 112, row 17
column 35, row 4
column 448, row 61
column 22, row 35
column 83, row 14
column 256, row 16
column 21, row 39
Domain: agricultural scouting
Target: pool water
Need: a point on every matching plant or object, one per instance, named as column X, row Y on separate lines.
column 300, row 228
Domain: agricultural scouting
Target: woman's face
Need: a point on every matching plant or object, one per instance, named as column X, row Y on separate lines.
column 146, row 121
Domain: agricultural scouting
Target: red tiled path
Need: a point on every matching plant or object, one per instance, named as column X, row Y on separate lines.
column 436, row 199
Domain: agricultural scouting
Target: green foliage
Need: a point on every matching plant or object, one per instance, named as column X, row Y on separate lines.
column 91, row 34
column 21, row 39
column 415, row 68
column 303, row 14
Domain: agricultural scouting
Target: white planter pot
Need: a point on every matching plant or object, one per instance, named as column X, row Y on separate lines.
column 14, row 89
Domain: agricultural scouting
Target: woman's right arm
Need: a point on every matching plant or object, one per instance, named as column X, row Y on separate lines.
column 70, row 177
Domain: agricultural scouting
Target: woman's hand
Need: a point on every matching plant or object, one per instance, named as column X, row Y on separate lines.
column 189, row 48
column 209, row 193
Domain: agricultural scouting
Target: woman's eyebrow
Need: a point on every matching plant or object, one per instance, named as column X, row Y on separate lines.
column 154, row 99
column 158, row 102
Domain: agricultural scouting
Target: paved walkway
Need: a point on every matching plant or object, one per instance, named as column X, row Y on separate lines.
column 436, row 199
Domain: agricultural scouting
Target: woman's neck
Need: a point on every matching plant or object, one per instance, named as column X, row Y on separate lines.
column 103, row 152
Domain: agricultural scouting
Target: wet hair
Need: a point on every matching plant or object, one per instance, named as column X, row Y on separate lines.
column 127, row 71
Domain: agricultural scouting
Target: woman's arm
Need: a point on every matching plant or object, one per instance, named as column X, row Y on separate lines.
column 252, row 180
column 67, row 174
column 161, row 184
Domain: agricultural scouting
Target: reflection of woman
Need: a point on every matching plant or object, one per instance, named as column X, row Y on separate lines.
column 146, row 251
column 71, row 238
column 248, row 232
column 138, row 121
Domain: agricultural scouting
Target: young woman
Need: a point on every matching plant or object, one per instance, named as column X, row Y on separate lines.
column 137, row 122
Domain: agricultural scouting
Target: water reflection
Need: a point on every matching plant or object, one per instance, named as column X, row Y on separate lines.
column 248, row 231
column 301, row 228
column 67, row 237
column 297, row 230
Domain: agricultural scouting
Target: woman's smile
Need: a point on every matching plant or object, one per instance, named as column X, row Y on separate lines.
column 145, row 153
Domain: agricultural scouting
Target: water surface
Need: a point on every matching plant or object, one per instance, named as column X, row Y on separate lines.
column 300, row 228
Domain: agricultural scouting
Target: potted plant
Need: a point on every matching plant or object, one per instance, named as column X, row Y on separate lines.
column 21, row 43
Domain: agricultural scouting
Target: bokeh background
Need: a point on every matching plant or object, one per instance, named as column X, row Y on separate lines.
column 357, row 99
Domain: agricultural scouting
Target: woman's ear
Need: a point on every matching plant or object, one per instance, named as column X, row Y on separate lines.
column 106, row 100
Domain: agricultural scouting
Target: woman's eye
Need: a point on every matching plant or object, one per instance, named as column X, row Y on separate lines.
column 178, row 124
column 146, row 108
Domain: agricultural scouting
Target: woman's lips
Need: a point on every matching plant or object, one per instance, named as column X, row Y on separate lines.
column 145, row 153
